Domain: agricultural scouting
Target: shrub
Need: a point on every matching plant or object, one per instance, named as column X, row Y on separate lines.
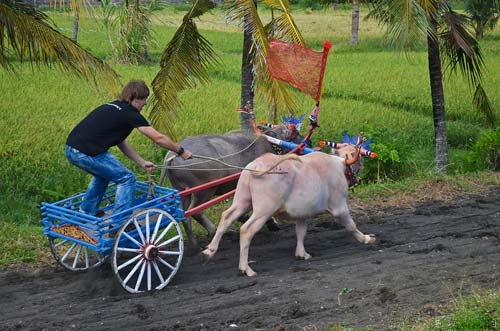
column 461, row 134
column 485, row 153
column 392, row 156
column 486, row 150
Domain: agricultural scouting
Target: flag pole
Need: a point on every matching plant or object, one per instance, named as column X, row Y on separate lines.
column 326, row 48
column 313, row 118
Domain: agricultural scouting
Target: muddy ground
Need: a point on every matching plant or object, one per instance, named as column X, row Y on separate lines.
column 424, row 256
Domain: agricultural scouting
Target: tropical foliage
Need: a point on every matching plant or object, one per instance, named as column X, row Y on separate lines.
column 75, row 6
column 188, row 56
column 449, row 43
column 484, row 15
column 28, row 34
column 128, row 28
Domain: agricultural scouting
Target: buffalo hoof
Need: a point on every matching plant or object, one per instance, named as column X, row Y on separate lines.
column 206, row 255
column 370, row 239
column 248, row 272
column 272, row 225
column 306, row 256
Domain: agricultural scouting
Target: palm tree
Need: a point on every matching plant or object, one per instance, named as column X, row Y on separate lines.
column 354, row 17
column 484, row 15
column 448, row 42
column 355, row 22
column 75, row 6
column 28, row 33
column 188, row 56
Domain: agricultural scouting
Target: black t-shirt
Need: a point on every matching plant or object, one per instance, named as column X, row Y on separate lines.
column 106, row 126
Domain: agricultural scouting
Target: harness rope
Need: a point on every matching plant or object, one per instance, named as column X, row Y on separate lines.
column 173, row 156
column 207, row 159
column 231, row 166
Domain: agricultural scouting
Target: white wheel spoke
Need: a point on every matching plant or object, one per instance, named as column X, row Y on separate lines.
column 132, row 239
column 139, row 278
column 139, row 231
column 60, row 243
column 68, row 252
column 129, row 262
column 170, row 253
column 157, row 226
column 147, row 228
column 86, row 251
column 149, row 276
column 161, row 241
column 131, row 273
column 130, row 250
column 74, row 256
column 169, row 241
column 165, row 263
column 160, row 237
column 158, row 272
column 77, row 256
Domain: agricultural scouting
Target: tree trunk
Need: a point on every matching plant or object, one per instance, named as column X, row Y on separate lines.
column 247, row 79
column 76, row 22
column 436, row 82
column 355, row 22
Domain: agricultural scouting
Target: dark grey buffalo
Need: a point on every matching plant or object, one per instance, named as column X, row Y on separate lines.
column 234, row 150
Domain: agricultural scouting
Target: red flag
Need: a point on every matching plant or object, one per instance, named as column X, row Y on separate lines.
column 298, row 65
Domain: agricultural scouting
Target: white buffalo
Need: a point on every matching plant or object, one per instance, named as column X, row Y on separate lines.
column 297, row 188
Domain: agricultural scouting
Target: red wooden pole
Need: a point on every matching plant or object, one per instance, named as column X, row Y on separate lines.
column 209, row 184
column 210, row 203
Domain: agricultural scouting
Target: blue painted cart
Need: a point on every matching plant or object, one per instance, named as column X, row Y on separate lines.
column 145, row 242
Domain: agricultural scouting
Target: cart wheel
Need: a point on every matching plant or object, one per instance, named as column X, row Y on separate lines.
column 73, row 256
column 148, row 251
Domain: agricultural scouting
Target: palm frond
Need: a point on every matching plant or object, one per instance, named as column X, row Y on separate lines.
column 185, row 61
column 245, row 13
column 74, row 5
column 406, row 20
column 430, row 7
column 27, row 33
column 284, row 24
column 460, row 49
column 276, row 94
column 483, row 104
column 283, row 29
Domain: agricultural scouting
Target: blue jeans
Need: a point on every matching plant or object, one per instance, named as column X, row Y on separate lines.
column 105, row 168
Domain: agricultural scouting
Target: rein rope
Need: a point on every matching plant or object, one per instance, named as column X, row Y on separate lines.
column 189, row 167
column 208, row 158
column 231, row 166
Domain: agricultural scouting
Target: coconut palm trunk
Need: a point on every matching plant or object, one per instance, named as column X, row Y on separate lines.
column 247, row 77
column 438, row 109
column 355, row 22
column 76, row 24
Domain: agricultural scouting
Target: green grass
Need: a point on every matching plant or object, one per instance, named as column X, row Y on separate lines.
column 479, row 312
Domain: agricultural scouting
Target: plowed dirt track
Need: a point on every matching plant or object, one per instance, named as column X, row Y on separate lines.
column 424, row 255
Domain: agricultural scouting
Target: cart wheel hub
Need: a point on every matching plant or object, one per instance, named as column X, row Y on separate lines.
column 151, row 252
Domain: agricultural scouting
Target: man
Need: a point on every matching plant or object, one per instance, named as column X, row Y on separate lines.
column 106, row 126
